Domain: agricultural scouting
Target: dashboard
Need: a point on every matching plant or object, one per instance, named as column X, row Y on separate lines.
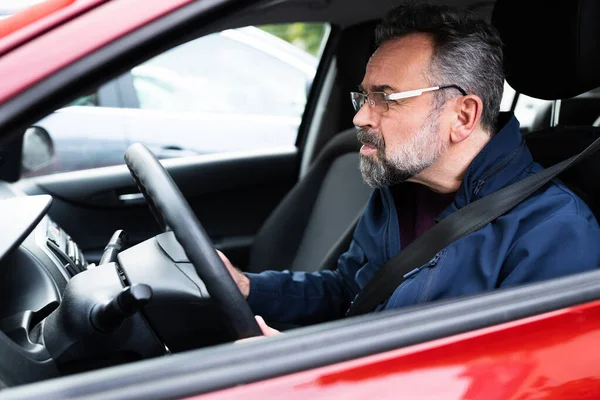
column 61, row 315
column 37, row 260
column 65, row 250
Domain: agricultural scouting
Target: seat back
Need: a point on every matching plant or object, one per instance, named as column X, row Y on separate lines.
column 316, row 213
column 553, row 145
column 552, row 51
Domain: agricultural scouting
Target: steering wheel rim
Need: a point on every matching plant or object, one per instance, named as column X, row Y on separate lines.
column 171, row 210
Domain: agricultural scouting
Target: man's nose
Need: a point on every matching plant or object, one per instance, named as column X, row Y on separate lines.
column 365, row 117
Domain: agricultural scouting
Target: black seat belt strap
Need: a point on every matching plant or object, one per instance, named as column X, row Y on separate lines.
column 464, row 221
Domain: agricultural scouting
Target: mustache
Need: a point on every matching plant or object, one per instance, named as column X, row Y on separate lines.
column 371, row 138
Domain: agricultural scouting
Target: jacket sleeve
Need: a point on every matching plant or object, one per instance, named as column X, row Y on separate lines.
column 561, row 245
column 306, row 298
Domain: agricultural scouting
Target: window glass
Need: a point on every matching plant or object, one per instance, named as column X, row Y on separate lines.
column 235, row 90
column 530, row 110
column 535, row 114
column 244, row 74
column 90, row 100
column 507, row 97
column 527, row 108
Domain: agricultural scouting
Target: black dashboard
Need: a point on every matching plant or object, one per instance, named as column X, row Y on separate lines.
column 61, row 315
column 32, row 280
column 65, row 249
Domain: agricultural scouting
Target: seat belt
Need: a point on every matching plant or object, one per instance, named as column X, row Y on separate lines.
column 461, row 223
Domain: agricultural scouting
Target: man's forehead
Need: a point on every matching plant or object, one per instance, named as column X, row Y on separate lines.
column 398, row 64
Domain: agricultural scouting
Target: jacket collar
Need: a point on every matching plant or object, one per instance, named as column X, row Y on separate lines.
column 497, row 165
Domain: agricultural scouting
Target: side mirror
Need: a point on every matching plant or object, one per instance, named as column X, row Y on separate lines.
column 38, row 149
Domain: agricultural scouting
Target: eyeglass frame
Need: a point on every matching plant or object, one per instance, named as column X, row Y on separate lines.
column 399, row 95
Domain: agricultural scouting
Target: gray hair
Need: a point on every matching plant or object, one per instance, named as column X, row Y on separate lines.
column 467, row 52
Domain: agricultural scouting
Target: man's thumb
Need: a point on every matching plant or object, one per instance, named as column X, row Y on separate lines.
column 266, row 329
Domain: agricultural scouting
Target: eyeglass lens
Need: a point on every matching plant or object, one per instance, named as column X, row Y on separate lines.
column 375, row 99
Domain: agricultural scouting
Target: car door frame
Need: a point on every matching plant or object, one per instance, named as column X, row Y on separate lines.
column 381, row 348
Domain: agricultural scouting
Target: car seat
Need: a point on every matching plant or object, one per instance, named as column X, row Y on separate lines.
column 316, row 213
column 314, row 223
column 552, row 51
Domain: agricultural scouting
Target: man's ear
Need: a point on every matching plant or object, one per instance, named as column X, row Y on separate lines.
column 468, row 111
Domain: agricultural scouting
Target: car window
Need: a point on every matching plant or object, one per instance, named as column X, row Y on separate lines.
column 91, row 100
column 534, row 114
column 507, row 97
column 243, row 74
column 239, row 89
column 528, row 109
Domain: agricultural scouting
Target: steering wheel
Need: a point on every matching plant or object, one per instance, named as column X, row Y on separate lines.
column 173, row 212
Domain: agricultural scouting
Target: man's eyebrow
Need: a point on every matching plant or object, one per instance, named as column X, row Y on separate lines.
column 377, row 88
column 382, row 88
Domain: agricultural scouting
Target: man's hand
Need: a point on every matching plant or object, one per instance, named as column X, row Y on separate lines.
column 240, row 279
column 266, row 330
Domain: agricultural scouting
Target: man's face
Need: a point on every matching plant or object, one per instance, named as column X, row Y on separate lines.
column 401, row 142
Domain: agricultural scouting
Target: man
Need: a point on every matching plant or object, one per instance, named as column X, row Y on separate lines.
column 433, row 142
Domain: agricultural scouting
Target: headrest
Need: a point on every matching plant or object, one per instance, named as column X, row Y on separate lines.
column 552, row 48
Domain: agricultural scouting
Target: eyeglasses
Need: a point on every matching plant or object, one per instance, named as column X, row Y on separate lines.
column 379, row 100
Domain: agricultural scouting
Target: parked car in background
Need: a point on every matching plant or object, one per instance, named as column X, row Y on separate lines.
column 184, row 103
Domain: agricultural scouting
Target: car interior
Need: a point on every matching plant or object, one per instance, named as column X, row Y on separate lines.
column 266, row 209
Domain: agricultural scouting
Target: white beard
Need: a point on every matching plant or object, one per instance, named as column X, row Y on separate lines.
column 419, row 152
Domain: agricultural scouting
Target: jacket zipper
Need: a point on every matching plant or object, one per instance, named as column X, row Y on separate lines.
column 479, row 184
column 430, row 264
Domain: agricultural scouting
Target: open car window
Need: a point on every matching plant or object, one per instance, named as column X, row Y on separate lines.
column 235, row 90
column 534, row 114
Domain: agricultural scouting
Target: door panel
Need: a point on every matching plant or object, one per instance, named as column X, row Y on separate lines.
column 232, row 194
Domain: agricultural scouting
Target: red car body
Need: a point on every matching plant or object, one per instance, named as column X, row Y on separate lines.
column 542, row 357
column 551, row 355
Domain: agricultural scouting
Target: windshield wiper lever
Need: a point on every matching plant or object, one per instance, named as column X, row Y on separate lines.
column 109, row 316
column 117, row 242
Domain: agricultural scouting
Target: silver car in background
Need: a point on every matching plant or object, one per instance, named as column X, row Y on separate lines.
column 221, row 92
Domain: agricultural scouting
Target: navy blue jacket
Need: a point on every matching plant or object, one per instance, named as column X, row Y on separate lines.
column 550, row 234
